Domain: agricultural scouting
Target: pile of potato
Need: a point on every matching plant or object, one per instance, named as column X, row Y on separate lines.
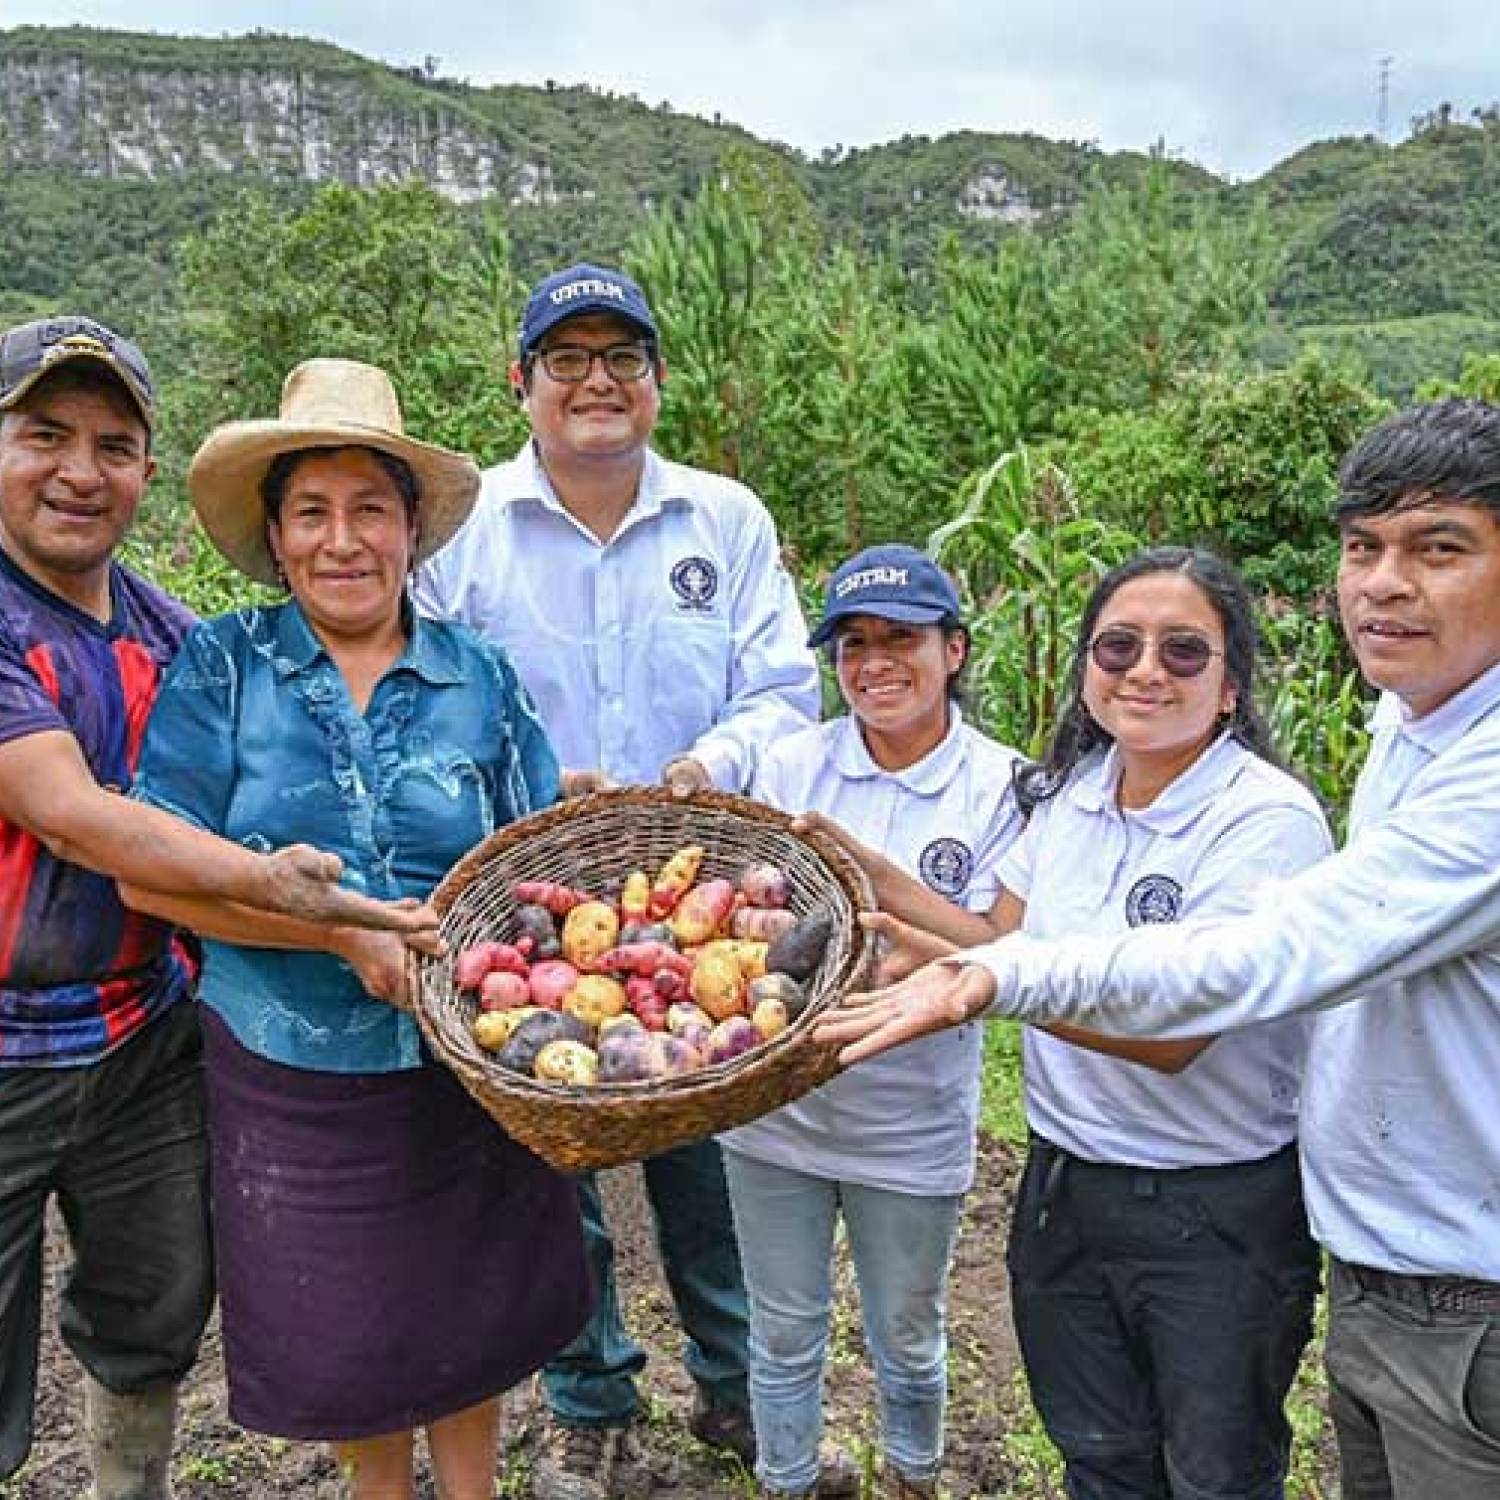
column 664, row 977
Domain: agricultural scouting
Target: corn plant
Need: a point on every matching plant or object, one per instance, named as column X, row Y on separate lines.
column 1027, row 560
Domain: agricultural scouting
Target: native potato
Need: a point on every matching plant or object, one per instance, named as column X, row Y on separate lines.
column 595, row 998
column 589, row 930
column 552, row 982
column 567, row 1062
column 799, row 952
column 642, row 979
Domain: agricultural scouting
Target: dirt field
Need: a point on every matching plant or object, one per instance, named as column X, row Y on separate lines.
column 217, row 1461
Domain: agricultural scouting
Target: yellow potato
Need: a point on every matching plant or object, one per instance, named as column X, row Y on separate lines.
column 718, row 984
column 567, row 1062
column 589, row 930
column 595, row 999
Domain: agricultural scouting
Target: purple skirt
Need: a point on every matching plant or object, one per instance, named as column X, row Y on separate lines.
column 387, row 1255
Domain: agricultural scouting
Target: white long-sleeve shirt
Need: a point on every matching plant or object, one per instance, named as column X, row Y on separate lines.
column 681, row 635
column 1396, row 942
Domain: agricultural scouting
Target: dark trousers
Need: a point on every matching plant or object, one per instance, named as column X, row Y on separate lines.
column 593, row 1379
column 1161, row 1316
column 121, row 1143
column 1413, row 1387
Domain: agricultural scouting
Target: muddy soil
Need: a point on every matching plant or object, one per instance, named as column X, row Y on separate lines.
column 217, row 1461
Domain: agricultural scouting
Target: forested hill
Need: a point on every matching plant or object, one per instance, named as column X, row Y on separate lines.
column 114, row 145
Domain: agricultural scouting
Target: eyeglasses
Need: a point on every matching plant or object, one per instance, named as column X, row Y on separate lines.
column 571, row 363
column 1183, row 653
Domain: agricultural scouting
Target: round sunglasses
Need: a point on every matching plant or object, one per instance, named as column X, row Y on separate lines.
column 1183, row 653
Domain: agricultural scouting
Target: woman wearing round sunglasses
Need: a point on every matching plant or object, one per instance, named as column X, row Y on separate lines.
column 1162, row 1274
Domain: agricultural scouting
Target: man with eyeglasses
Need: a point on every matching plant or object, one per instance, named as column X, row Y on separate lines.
column 101, row 1101
column 1392, row 944
column 647, row 610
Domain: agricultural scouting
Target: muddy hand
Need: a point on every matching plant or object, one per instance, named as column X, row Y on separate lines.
column 935, row 997
column 303, row 882
column 583, row 783
column 685, row 775
column 379, row 959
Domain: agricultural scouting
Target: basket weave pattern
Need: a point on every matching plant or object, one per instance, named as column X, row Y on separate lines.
column 588, row 843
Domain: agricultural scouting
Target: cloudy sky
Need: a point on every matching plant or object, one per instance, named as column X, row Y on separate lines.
column 1234, row 86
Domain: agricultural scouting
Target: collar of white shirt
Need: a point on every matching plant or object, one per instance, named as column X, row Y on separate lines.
column 1444, row 726
column 927, row 777
column 527, row 480
column 1180, row 804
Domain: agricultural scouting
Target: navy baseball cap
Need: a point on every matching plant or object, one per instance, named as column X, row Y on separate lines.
column 578, row 290
column 891, row 581
column 31, row 351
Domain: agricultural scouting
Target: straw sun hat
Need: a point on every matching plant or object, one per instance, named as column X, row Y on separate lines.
column 325, row 403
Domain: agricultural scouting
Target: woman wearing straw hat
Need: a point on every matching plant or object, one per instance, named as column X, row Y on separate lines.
column 378, row 1237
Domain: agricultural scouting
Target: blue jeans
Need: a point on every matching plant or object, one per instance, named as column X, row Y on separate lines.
column 592, row 1382
column 1161, row 1316
column 902, row 1247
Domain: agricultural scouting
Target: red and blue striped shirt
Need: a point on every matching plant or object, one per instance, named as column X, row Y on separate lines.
column 79, row 972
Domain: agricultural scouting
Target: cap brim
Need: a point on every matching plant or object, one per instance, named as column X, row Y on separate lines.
column 225, row 476
column 906, row 614
column 585, row 309
column 63, row 355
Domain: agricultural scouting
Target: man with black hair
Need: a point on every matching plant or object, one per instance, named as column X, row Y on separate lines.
column 100, row 1088
column 648, row 613
column 1394, row 942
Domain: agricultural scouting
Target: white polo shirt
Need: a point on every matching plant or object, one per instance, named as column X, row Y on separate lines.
column 904, row 1121
column 680, row 635
column 1400, row 1130
column 1085, row 865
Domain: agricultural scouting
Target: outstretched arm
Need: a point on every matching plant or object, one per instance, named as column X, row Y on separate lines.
column 47, row 788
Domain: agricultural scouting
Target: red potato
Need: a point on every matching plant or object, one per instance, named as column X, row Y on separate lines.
column 670, row 985
column 646, row 1003
column 644, row 959
column 557, row 899
column 470, row 967
column 552, row 981
column 702, row 912
column 765, row 884
column 502, row 990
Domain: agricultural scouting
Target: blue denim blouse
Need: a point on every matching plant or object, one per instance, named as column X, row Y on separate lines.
column 254, row 736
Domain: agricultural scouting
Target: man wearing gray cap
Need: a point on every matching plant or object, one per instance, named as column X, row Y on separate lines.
column 100, row 1090
column 647, row 611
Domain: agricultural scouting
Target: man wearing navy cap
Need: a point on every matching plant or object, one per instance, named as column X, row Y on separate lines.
column 648, row 612
column 100, row 1089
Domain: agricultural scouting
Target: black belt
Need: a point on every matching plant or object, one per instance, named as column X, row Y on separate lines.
column 1448, row 1294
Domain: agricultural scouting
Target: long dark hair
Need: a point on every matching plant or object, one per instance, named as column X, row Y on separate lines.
column 1078, row 732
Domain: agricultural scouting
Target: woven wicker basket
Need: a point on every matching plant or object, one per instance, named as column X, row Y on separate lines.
column 586, row 843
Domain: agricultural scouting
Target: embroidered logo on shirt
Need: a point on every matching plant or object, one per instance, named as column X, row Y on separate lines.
column 1153, row 899
column 946, row 866
column 695, row 581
